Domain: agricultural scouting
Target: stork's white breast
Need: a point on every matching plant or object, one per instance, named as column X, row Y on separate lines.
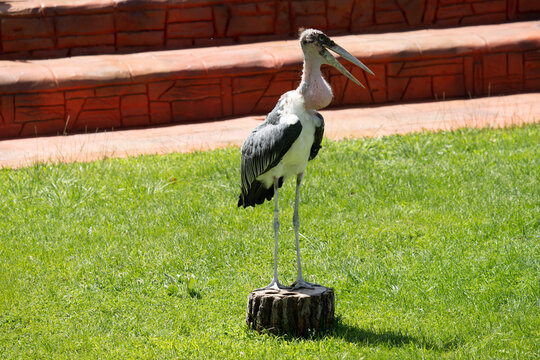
column 295, row 160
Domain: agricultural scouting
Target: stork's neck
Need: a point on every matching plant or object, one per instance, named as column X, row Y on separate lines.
column 316, row 91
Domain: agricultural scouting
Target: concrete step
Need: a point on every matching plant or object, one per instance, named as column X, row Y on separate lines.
column 499, row 111
column 82, row 94
column 60, row 28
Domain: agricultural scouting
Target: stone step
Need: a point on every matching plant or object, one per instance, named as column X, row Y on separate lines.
column 494, row 112
column 60, row 28
column 82, row 94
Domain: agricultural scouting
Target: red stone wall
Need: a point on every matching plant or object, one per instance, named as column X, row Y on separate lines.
column 443, row 78
column 203, row 98
column 50, row 29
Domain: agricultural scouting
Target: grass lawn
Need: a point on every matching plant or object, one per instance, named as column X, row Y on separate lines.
column 431, row 242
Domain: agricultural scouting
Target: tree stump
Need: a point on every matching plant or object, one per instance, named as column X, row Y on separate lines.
column 291, row 311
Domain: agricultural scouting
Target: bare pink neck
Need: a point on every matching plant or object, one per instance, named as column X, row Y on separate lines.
column 315, row 90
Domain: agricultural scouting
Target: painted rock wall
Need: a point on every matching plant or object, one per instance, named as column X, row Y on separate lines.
column 55, row 28
column 153, row 100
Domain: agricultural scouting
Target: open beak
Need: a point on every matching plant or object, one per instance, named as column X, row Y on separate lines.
column 331, row 60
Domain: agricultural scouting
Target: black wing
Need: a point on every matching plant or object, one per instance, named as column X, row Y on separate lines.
column 262, row 150
column 319, row 131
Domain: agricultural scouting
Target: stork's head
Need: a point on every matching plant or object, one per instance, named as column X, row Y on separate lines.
column 315, row 44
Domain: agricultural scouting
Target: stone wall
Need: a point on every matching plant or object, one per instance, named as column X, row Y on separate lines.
column 181, row 100
column 55, row 28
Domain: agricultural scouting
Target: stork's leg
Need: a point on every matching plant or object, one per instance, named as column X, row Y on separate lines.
column 275, row 283
column 300, row 282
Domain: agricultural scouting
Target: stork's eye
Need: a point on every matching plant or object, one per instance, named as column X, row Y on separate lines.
column 323, row 39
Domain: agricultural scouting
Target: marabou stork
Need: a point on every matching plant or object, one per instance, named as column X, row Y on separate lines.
column 291, row 135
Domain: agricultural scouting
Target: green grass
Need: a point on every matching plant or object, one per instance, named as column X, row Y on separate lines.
column 431, row 242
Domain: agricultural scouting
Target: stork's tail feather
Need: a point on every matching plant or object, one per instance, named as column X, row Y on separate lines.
column 257, row 193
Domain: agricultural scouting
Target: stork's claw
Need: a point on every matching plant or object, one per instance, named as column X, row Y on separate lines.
column 274, row 285
column 301, row 284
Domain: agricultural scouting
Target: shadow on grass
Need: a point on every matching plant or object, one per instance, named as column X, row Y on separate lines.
column 367, row 337
column 361, row 336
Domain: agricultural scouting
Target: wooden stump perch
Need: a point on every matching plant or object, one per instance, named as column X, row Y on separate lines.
column 291, row 311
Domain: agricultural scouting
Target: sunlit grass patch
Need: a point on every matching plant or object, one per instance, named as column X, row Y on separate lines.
column 431, row 242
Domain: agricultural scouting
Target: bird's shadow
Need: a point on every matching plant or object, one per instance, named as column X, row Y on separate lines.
column 366, row 337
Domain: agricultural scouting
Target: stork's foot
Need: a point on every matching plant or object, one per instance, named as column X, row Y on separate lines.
column 301, row 284
column 274, row 285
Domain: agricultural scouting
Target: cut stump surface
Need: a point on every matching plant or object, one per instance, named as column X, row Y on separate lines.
column 291, row 311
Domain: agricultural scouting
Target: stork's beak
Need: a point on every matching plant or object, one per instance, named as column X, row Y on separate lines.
column 331, row 60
